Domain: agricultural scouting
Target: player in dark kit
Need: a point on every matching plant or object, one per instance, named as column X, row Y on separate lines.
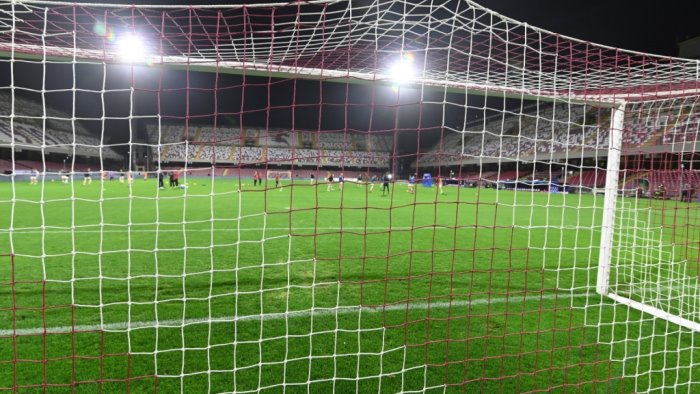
column 385, row 183
column 160, row 179
column 87, row 178
column 329, row 178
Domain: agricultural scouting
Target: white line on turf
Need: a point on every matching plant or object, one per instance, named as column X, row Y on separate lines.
column 179, row 230
column 341, row 310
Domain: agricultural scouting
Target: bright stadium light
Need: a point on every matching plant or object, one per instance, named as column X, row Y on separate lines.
column 402, row 72
column 131, row 48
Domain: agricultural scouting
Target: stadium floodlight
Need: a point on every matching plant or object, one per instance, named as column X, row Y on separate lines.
column 402, row 72
column 131, row 48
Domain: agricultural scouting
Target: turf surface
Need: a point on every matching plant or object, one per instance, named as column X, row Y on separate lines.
column 303, row 290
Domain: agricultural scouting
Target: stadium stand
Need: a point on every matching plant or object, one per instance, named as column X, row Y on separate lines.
column 673, row 180
column 5, row 165
column 544, row 133
column 283, row 147
column 589, row 179
column 57, row 135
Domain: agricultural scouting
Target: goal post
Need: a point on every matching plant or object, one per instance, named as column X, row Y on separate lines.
column 617, row 120
column 646, row 272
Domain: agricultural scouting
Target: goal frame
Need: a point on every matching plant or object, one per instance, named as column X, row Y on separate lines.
column 608, row 227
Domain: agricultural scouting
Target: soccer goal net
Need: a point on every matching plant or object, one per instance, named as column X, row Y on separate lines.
column 563, row 255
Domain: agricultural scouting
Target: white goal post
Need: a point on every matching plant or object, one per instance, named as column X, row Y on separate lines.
column 657, row 285
column 617, row 120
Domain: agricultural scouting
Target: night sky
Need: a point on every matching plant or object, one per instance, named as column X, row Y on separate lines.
column 641, row 25
column 653, row 26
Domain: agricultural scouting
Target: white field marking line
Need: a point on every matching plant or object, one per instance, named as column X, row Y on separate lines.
column 34, row 230
column 179, row 230
column 341, row 310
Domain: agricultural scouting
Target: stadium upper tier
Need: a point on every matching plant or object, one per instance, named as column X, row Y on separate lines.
column 566, row 131
column 56, row 132
column 203, row 144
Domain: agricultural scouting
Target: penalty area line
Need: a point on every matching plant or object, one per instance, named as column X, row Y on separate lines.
column 320, row 312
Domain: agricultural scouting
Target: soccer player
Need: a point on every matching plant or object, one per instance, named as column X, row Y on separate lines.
column 385, row 183
column 87, row 178
column 161, row 175
column 176, row 178
column 340, row 181
column 277, row 180
column 171, row 179
column 313, row 179
column 129, row 178
column 372, row 181
column 439, row 182
column 359, row 180
column 121, row 176
column 34, row 178
column 411, row 183
column 329, row 178
column 64, row 178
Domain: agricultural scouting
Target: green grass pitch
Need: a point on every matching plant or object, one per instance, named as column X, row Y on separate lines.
column 303, row 290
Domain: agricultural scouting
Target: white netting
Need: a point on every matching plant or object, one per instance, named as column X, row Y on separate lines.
column 547, row 240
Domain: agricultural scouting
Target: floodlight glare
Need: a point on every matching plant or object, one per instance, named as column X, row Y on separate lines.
column 403, row 72
column 131, row 49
